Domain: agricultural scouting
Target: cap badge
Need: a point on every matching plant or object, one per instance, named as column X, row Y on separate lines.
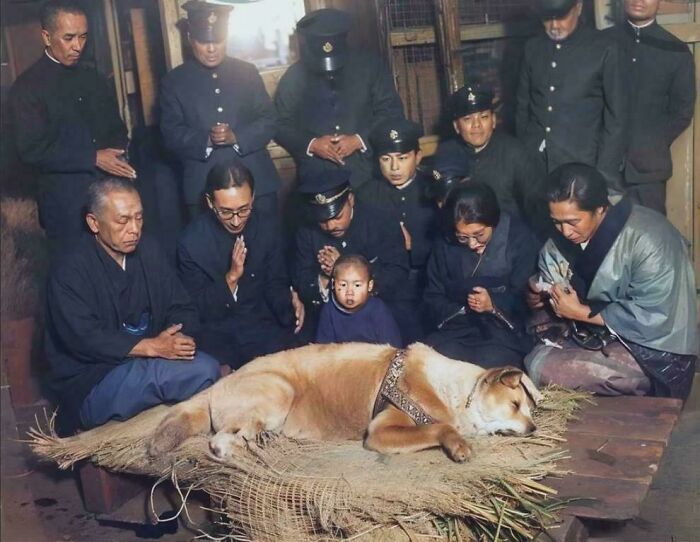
column 213, row 17
column 321, row 199
column 327, row 47
column 471, row 98
column 394, row 135
column 436, row 175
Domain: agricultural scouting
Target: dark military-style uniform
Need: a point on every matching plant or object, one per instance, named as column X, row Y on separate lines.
column 194, row 98
column 332, row 90
column 571, row 105
column 260, row 319
column 660, row 83
column 61, row 117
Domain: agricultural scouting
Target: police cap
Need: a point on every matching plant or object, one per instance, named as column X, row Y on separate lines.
column 323, row 44
column 470, row 99
column 324, row 189
column 207, row 22
column 554, row 9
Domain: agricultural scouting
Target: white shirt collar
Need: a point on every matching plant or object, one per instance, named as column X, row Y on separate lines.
column 46, row 52
column 408, row 182
column 637, row 26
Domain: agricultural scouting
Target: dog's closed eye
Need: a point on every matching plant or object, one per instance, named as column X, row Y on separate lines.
column 516, row 405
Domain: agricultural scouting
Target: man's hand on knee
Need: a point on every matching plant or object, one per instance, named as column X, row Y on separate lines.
column 169, row 344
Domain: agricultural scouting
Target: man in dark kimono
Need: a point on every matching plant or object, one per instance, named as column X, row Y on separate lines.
column 232, row 262
column 571, row 105
column 399, row 189
column 328, row 102
column 659, row 74
column 118, row 321
column 490, row 155
column 215, row 109
column 66, row 122
column 343, row 225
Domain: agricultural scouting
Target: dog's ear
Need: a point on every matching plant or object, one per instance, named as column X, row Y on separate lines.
column 531, row 389
column 510, row 377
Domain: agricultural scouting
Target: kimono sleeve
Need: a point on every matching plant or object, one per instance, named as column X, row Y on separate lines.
column 439, row 305
column 277, row 293
column 306, row 267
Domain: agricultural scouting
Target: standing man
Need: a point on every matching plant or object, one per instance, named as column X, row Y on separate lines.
column 660, row 87
column 489, row 155
column 571, row 105
column 215, row 109
column 232, row 262
column 66, row 122
column 119, row 323
column 329, row 101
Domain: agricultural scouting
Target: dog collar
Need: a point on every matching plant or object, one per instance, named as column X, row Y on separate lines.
column 470, row 397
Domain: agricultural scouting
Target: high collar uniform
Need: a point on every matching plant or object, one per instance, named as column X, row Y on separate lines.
column 194, row 98
column 571, row 105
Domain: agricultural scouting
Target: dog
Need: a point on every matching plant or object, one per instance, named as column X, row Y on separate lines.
column 344, row 392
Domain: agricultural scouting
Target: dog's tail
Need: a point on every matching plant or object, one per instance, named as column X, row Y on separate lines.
column 187, row 419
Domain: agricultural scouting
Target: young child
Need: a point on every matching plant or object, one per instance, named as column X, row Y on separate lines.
column 352, row 313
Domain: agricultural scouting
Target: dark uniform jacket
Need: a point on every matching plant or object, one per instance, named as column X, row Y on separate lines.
column 571, row 96
column 263, row 296
column 504, row 269
column 61, row 116
column 408, row 205
column 504, row 164
column 193, row 98
column 370, row 234
column 309, row 106
column 659, row 78
column 85, row 337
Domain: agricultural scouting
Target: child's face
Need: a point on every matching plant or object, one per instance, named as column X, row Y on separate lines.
column 352, row 286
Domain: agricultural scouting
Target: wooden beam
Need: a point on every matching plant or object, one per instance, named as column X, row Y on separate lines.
column 421, row 35
column 148, row 86
column 687, row 32
column 112, row 24
column 449, row 42
column 170, row 14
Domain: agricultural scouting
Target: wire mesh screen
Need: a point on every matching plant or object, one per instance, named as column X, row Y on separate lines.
column 418, row 77
column 411, row 13
column 492, row 11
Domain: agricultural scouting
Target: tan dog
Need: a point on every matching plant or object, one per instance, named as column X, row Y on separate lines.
column 327, row 392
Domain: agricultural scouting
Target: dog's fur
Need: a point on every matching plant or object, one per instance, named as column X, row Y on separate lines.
column 327, row 392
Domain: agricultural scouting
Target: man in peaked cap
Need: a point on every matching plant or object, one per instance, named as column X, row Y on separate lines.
column 341, row 224
column 215, row 109
column 570, row 101
column 328, row 102
column 659, row 73
column 487, row 154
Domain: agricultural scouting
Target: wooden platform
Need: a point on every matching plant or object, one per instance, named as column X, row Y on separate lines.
column 615, row 446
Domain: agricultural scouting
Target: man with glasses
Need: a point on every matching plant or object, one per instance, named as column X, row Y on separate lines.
column 215, row 109
column 571, row 105
column 232, row 262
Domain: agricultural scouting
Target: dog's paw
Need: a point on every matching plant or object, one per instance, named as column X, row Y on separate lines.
column 458, row 449
column 224, row 445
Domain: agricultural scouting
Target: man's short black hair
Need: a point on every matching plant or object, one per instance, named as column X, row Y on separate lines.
column 230, row 175
column 51, row 9
column 100, row 190
column 579, row 183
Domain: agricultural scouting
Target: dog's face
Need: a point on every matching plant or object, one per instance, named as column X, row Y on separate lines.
column 504, row 402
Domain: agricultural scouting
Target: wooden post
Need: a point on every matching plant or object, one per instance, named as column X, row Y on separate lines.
column 170, row 14
column 112, row 23
column 381, row 8
column 148, row 85
column 448, row 38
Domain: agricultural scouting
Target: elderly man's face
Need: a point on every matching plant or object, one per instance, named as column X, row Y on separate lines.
column 561, row 28
column 208, row 53
column 232, row 207
column 339, row 224
column 118, row 224
column 641, row 11
column 476, row 129
column 67, row 37
column 577, row 225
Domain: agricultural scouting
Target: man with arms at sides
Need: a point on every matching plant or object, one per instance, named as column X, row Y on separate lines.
column 659, row 73
column 399, row 189
column 340, row 224
column 215, row 109
column 66, row 122
column 489, row 155
column 619, row 280
column 328, row 102
column 571, row 105
column 119, row 323
column 232, row 262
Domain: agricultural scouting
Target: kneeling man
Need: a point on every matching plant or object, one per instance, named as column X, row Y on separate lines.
column 119, row 322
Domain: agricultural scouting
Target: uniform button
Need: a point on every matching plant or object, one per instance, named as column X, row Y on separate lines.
column 217, row 90
column 94, row 140
column 558, row 45
column 215, row 75
column 554, row 64
column 637, row 40
column 252, row 275
column 80, row 98
column 549, row 108
column 228, row 305
column 403, row 215
column 220, row 109
column 547, row 129
column 343, row 244
column 634, row 60
column 552, row 89
column 403, row 198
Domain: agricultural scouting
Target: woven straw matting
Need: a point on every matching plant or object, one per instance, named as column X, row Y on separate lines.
column 282, row 489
